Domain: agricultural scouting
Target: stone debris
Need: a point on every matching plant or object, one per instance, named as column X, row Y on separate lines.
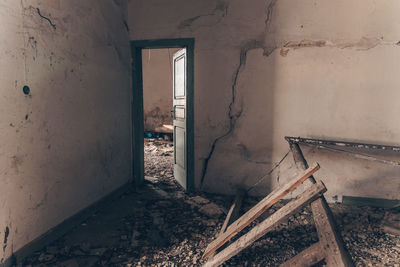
column 391, row 223
column 199, row 200
column 148, row 228
column 211, row 210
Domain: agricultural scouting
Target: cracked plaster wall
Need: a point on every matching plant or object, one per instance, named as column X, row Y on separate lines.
column 65, row 144
column 269, row 68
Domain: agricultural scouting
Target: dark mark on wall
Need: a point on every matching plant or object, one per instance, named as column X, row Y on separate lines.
column 16, row 161
column 6, row 233
column 207, row 20
column 26, row 117
column 305, row 43
column 105, row 157
column 26, row 90
column 43, row 17
column 33, row 43
column 126, row 25
column 284, row 52
column 41, row 203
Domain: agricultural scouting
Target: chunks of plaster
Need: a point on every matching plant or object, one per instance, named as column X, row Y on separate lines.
column 211, row 210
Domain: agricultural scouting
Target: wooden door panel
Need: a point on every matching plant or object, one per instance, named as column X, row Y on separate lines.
column 179, row 117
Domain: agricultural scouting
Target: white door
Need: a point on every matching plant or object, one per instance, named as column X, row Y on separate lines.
column 179, row 116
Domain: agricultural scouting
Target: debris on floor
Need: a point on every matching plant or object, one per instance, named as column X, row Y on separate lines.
column 391, row 223
column 158, row 160
column 160, row 225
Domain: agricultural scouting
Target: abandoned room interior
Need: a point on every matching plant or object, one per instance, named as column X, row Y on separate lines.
column 199, row 133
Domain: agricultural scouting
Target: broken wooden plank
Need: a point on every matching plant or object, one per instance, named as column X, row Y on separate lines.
column 299, row 159
column 268, row 224
column 308, row 257
column 337, row 254
column 233, row 213
column 259, row 209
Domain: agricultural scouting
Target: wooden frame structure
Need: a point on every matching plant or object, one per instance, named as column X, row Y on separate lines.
column 330, row 246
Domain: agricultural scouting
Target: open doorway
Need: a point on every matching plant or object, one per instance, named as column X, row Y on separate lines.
column 157, row 65
column 162, row 110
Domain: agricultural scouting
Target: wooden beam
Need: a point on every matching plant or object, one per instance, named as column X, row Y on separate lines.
column 268, row 224
column 337, row 254
column 234, row 211
column 259, row 209
column 308, row 257
column 299, row 159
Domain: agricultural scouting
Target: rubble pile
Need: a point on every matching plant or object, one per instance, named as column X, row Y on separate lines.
column 158, row 160
column 160, row 225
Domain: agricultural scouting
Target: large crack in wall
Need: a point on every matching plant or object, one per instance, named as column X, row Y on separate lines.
column 206, row 20
column 269, row 46
column 234, row 112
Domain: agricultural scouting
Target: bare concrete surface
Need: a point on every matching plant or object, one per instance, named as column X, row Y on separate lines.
column 160, row 225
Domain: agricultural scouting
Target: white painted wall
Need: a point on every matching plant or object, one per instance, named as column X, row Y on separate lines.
column 266, row 69
column 67, row 143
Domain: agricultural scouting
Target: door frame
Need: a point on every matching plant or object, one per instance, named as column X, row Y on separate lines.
column 137, row 105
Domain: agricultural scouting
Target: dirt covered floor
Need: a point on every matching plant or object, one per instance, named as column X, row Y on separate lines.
column 160, row 225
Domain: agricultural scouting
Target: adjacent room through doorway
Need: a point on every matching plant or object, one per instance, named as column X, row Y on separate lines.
column 158, row 114
column 163, row 138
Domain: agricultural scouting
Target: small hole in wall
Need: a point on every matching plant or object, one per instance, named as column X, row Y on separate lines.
column 26, row 90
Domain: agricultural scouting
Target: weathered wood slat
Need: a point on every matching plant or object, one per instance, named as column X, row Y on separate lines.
column 308, row 257
column 336, row 252
column 234, row 211
column 268, row 224
column 259, row 209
